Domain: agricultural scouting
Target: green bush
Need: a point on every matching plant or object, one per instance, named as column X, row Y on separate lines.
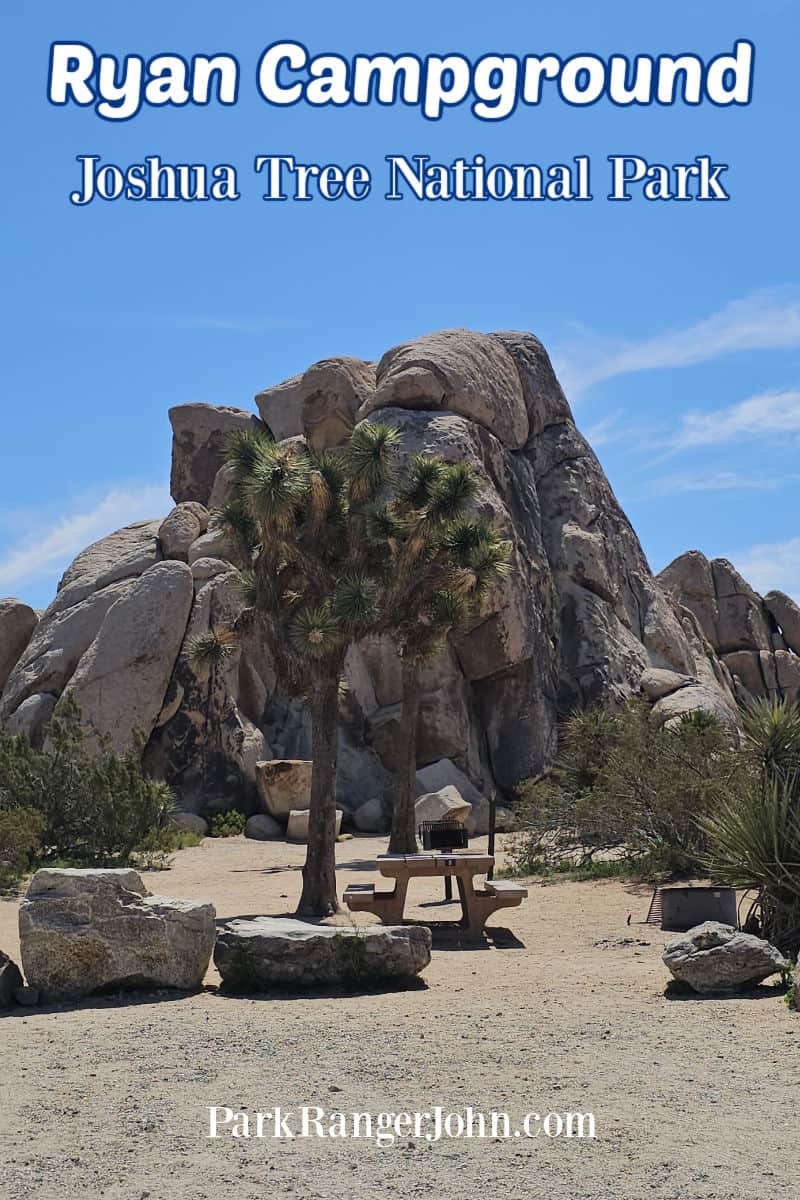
column 95, row 808
column 20, row 840
column 623, row 786
column 227, row 824
column 155, row 851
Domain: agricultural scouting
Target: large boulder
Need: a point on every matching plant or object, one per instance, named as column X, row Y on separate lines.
column 188, row 822
column 261, row 827
column 690, row 579
column 297, row 824
column 278, row 952
column 284, row 785
column 95, row 580
column 786, row 614
column 445, row 805
column 657, row 683
column 31, row 718
column 697, row 697
column 184, row 525
column 544, row 398
column 742, row 623
column 787, row 674
column 199, row 432
column 59, row 642
column 715, row 958
column 730, row 613
column 17, row 623
column 205, row 746
column 445, row 774
column 85, row 931
column 464, row 372
column 213, row 544
column 124, row 554
column 121, row 680
column 751, row 642
column 320, row 404
column 371, row 817
column 10, row 980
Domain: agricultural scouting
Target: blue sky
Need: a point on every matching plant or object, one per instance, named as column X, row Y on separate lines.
column 675, row 327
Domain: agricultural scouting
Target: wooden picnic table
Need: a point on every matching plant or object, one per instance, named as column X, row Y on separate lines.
column 462, row 865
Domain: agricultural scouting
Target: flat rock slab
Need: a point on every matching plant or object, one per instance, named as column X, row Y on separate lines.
column 101, row 930
column 717, row 959
column 267, row 952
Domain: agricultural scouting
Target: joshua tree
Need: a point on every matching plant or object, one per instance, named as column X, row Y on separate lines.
column 337, row 545
column 310, row 581
column 441, row 562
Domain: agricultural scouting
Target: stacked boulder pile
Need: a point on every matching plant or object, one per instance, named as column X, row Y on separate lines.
column 580, row 620
column 756, row 638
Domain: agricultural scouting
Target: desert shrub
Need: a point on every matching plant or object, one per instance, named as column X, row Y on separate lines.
column 621, row 784
column 21, row 832
column 754, row 834
column 155, row 851
column 96, row 808
column 227, row 824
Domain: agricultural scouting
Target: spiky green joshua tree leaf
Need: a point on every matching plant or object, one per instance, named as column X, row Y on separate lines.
column 212, row 648
column 369, row 459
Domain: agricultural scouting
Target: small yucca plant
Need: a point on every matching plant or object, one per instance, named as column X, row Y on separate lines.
column 212, row 648
column 754, row 843
column 772, row 735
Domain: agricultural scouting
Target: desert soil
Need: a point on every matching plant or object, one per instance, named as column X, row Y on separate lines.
column 564, row 1010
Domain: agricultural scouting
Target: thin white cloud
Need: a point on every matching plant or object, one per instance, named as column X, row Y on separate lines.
column 717, row 481
column 50, row 542
column 765, row 320
column 770, row 565
column 769, row 415
column 605, row 431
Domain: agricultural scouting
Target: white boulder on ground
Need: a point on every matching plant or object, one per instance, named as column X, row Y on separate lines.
column 266, row 952
column 445, row 805
column 284, row 784
column 85, row 931
column 445, row 773
column 297, row 826
column 716, row 959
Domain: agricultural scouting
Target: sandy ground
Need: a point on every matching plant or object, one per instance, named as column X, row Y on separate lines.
column 564, row 1010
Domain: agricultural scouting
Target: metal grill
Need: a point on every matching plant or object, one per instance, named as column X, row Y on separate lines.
column 443, row 835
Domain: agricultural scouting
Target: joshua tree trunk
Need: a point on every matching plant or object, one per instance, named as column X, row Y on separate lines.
column 319, row 897
column 404, row 833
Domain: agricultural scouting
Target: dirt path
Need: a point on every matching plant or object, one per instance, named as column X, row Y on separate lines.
column 693, row 1100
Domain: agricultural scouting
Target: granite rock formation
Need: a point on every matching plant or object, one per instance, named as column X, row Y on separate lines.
column 580, row 620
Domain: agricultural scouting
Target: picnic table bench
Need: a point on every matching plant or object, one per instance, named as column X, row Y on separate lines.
column 477, row 904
